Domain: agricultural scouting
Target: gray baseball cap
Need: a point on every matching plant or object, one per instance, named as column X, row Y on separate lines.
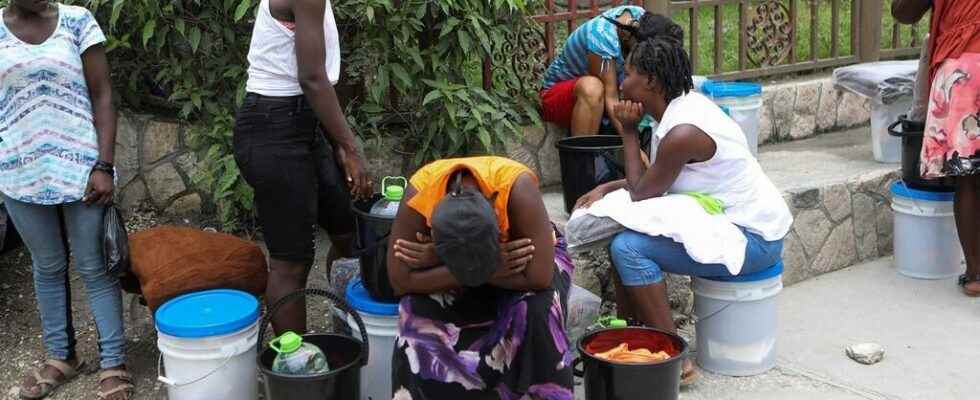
column 466, row 236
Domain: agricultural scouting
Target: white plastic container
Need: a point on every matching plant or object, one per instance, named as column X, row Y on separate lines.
column 207, row 343
column 381, row 322
column 925, row 240
column 743, row 102
column 887, row 148
column 736, row 322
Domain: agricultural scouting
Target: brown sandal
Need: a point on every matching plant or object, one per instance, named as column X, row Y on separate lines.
column 967, row 279
column 68, row 372
column 690, row 376
column 126, row 386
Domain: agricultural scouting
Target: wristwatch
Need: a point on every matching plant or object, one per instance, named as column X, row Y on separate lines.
column 106, row 167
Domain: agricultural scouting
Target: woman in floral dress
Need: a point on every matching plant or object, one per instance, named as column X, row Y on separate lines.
column 951, row 147
column 485, row 279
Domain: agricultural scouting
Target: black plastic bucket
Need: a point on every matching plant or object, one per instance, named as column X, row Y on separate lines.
column 371, row 247
column 605, row 380
column 912, row 134
column 345, row 355
column 587, row 162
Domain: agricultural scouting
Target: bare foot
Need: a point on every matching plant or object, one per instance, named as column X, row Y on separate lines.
column 29, row 388
column 972, row 289
column 689, row 373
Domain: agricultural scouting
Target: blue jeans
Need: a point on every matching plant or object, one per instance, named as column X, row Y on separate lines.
column 641, row 259
column 41, row 228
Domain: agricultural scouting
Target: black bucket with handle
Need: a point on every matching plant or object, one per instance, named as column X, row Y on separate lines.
column 345, row 356
column 912, row 134
column 587, row 162
column 371, row 248
column 608, row 380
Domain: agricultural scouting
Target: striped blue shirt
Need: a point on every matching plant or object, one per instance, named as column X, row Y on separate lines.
column 597, row 36
column 48, row 142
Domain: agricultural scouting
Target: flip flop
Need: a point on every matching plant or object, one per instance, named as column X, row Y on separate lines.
column 126, row 386
column 966, row 279
column 48, row 386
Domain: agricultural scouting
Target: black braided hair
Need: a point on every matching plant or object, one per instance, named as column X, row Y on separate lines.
column 663, row 58
column 650, row 26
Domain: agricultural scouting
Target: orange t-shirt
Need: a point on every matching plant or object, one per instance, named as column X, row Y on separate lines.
column 494, row 175
column 954, row 30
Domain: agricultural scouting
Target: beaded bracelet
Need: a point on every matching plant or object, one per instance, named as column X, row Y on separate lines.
column 105, row 167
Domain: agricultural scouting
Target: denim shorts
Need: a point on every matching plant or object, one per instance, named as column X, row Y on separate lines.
column 284, row 156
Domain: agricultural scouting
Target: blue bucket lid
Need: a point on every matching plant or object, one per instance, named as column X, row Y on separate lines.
column 731, row 89
column 767, row 273
column 899, row 188
column 208, row 313
column 359, row 298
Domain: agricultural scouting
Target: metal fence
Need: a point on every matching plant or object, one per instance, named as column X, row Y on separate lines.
column 744, row 39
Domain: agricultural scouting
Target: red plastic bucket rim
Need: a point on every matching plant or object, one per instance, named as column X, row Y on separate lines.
column 680, row 355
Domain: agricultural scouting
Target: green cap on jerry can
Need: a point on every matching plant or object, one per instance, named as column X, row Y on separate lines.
column 393, row 192
column 287, row 343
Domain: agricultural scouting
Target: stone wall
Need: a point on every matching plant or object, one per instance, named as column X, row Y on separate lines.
column 797, row 110
column 156, row 165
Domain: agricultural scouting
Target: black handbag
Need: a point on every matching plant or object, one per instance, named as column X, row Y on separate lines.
column 115, row 243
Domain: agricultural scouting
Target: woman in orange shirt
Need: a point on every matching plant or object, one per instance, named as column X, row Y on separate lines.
column 951, row 146
column 485, row 280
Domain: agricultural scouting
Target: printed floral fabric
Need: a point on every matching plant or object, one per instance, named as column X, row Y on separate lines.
column 951, row 146
column 486, row 343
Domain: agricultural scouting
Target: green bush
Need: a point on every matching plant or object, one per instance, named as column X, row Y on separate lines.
column 419, row 64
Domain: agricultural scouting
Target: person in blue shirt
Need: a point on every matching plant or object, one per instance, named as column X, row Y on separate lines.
column 582, row 83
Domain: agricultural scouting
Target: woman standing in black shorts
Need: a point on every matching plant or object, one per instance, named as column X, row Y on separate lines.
column 290, row 138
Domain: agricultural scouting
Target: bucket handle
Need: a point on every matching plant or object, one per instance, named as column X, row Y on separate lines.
column 337, row 301
column 745, row 295
column 170, row 382
column 897, row 133
column 610, row 162
column 371, row 247
column 577, row 369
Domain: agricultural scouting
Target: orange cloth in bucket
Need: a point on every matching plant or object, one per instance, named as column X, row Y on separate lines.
column 624, row 354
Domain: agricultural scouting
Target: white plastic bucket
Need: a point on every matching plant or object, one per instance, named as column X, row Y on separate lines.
column 204, row 367
column 381, row 322
column 376, row 377
column 887, row 148
column 925, row 240
column 743, row 102
column 736, row 324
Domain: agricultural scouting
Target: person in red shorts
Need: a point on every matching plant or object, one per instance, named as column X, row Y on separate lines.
column 583, row 81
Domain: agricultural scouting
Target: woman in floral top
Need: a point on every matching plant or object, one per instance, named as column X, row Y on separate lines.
column 57, row 134
column 486, row 281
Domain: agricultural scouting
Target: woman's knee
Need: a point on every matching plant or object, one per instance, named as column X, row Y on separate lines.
column 633, row 267
column 590, row 89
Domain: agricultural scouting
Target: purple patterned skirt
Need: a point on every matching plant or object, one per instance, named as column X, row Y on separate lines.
column 486, row 343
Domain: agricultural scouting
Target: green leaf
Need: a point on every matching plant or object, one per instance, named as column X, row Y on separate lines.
column 465, row 42
column 431, row 96
column 485, row 138
column 227, row 180
column 448, row 26
column 117, row 6
column 179, row 26
column 401, row 74
column 148, row 30
column 195, row 38
column 243, row 8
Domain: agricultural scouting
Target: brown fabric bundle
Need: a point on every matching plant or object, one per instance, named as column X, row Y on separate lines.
column 169, row 261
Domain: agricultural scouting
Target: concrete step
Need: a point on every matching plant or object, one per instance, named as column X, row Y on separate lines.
column 839, row 197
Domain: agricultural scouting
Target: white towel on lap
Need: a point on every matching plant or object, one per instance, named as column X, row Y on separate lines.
column 708, row 239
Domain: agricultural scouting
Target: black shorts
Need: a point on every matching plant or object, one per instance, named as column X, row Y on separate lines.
column 298, row 185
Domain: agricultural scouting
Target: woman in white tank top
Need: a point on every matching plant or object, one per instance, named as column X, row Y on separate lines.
column 700, row 150
column 294, row 147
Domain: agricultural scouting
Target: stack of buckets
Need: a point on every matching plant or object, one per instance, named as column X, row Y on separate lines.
column 925, row 240
column 736, row 322
column 381, row 324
